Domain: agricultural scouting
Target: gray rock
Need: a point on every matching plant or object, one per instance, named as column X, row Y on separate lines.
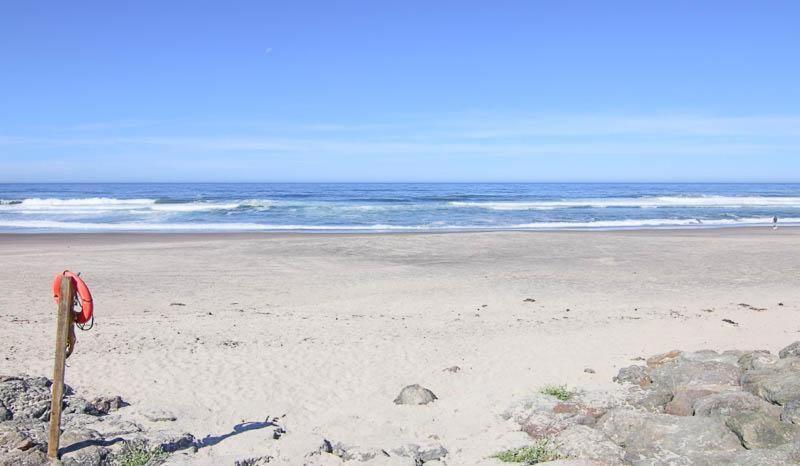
column 659, row 359
column 637, row 375
column 654, row 401
column 791, row 412
column 159, row 416
column 682, row 403
column 106, row 404
column 172, row 441
column 726, row 357
column 415, row 395
column 26, row 397
column 756, row 359
column 663, row 439
column 686, row 373
column 543, row 416
column 756, row 430
column 422, row 453
column 778, row 383
column 731, row 403
column 589, row 444
column 5, row 415
column 792, row 350
column 785, row 455
column 357, row 453
column 452, row 369
column 82, row 447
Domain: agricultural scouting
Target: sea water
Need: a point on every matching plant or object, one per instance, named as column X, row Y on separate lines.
column 379, row 207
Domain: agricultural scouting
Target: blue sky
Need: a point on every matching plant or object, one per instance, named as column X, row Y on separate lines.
column 400, row 91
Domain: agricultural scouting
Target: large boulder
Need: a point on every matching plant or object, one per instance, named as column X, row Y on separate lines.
column 682, row 403
column 785, row 455
column 778, row 383
column 731, row 403
column 757, row 430
column 687, row 373
column 756, row 359
column 542, row 416
column 582, row 442
column 663, row 439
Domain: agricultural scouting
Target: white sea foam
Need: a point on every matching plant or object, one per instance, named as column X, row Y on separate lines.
column 100, row 205
column 641, row 202
column 438, row 226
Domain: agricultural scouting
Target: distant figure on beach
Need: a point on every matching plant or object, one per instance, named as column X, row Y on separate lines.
column 775, row 222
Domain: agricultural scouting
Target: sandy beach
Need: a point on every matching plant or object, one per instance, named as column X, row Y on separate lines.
column 323, row 331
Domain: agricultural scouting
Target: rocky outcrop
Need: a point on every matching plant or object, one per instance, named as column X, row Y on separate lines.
column 92, row 431
column 682, row 408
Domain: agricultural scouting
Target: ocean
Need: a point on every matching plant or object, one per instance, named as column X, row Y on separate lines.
column 387, row 207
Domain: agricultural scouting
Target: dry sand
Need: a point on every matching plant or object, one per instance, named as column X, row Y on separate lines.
column 325, row 330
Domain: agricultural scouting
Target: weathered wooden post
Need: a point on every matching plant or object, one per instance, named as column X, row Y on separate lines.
column 65, row 316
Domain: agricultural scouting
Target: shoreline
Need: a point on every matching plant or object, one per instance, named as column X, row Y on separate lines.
column 728, row 230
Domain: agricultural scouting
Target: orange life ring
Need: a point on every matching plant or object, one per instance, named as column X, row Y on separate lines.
column 84, row 295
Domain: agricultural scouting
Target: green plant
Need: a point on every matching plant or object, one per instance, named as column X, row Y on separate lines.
column 559, row 391
column 139, row 453
column 542, row 451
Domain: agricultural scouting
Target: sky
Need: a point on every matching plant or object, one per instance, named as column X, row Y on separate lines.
column 399, row 91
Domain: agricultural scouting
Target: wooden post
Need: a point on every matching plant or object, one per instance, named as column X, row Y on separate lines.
column 65, row 309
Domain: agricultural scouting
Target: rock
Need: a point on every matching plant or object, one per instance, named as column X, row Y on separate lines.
column 663, row 439
column 653, row 401
column 159, row 416
column 452, row 369
column 757, row 430
column 686, row 373
column 589, row 370
column 731, row 403
column 105, row 405
column 415, row 395
column 586, row 443
column 659, row 359
column 756, row 359
column 784, row 455
column 357, row 453
column 778, row 383
column 792, row 350
column 682, row 403
column 791, row 412
column 726, row 357
column 5, row 415
column 542, row 416
column 172, row 441
column 422, row 454
column 26, row 397
column 24, row 458
column 82, row 447
column 637, row 375
column 326, row 447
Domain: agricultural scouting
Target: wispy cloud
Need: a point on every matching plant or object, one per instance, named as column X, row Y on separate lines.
column 471, row 135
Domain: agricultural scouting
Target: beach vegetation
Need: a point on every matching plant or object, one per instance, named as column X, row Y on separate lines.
column 139, row 453
column 561, row 392
column 542, row 451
